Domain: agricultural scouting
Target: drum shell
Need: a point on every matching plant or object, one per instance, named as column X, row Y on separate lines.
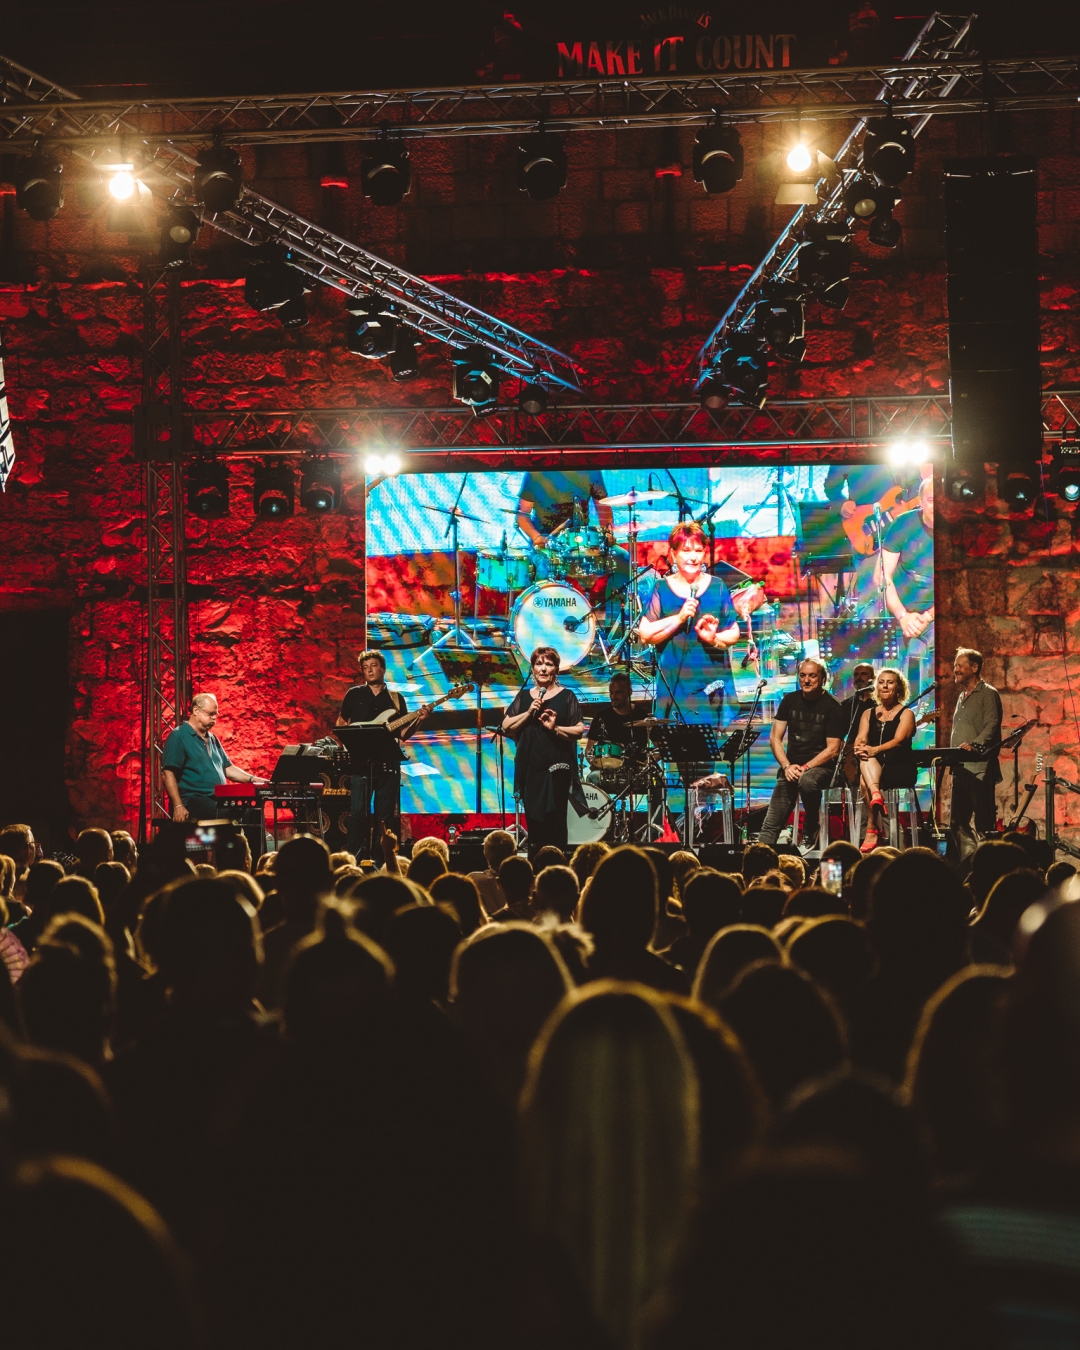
column 540, row 616
column 512, row 570
column 583, row 829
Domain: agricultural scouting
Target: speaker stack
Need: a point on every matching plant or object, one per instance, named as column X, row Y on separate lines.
column 991, row 250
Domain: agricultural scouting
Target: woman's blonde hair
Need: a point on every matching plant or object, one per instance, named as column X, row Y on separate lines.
column 609, row 1146
column 903, row 690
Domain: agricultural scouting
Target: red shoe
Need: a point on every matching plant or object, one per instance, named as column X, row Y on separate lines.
column 870, row 842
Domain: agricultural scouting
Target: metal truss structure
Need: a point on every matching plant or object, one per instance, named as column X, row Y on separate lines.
column 325, row 257
column 161, row 436
column 913, row 86
column 7, row 444
column 943, row 83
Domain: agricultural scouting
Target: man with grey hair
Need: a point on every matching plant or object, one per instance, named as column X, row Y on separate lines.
column 813, row 722
column 195, row 763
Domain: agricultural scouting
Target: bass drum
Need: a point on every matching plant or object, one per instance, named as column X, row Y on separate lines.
column 583, row 829
column 554, row 614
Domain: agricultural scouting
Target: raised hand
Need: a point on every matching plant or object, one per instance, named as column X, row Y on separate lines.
column 707, row 627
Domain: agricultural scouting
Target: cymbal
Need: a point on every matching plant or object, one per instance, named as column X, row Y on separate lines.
column 633, row 497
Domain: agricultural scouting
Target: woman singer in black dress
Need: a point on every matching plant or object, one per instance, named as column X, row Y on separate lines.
column 883, row 747
column 546, row 723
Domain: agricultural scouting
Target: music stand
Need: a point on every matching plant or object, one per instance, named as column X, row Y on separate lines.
column 467, row 665
column 679, row 742
column 738, row 744
column 368, row 745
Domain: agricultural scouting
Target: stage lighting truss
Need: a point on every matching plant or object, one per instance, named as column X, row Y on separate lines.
column 1065, row 468
column 321, row 255
column 320, row 486
column 39, row 186
column 7, row 444
column 780, row 320
column 274, row 490
column 718, row 158
column 900, row 95
column 208, row 487
column 541, row 166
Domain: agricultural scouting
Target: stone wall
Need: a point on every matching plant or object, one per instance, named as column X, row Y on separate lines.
column 626, row 271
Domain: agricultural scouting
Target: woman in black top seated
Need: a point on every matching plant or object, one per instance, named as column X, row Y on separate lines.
column 546, row 723
column 883, row 747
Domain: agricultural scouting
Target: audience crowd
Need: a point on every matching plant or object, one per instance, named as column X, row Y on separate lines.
column 614, row 1101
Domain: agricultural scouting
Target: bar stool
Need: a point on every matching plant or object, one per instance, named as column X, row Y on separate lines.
column 856, row 811
column 892, row 815
column 829, row 796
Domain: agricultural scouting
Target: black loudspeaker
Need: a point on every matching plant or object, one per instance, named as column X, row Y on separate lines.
column 724, row 857
column 467, row 857
column 992, row 253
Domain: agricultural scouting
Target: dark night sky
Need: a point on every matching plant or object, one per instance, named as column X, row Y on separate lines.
column 251, row 46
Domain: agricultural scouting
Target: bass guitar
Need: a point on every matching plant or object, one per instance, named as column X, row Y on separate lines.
column 864, row 523
column 391, row 723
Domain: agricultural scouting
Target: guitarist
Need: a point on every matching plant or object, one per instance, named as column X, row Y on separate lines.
column 363, row 703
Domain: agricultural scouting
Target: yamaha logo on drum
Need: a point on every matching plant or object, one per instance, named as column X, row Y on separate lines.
column 557, row 602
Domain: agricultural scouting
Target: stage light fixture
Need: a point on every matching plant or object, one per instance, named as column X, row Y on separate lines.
column 179, row 230
column 274, row 490
column 121, row 181
column 798, row 158
column 780, row 319
column 384, row 174
column 533, row 400
column 905, row 451
column 39, row 186
column 744, row 367
column 372, row 328
column 405, row 359
column 272, row 283
column 1065, row 468
column 800, row 169
column 889, row 150
column 863, row 196
column 541, row 166
column 1018, row 487
column 208, row 488
column 825, row 262
column 965, row 483
column 476, row 377
column 320, row 486
column 718, row 158
column 378, row 465
column 218, row 179
column 884, row 228
column 713, row 394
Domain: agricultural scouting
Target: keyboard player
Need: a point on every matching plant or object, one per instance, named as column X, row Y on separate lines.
column 195, row 763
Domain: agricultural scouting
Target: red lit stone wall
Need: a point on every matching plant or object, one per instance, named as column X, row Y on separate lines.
column 625, row 271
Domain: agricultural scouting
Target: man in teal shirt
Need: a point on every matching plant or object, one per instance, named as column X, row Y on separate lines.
column 195, row 763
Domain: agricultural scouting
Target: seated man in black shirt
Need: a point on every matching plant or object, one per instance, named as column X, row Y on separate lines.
column 814, row 723
column 611, row 725
column 363, row 703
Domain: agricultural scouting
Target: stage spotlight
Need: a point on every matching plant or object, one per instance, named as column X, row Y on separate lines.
column 541, row 166
column 780, row 319
column 274, row 490
column 179, row 230
column 208, row 487
column 718, row 158
column 889, row 150
column 884, row 228
column 714, row 394
column 744, row 367
column 1018, row 487
column 825, row 262
column 798, row 158
column 533, row 400
column 272, row 283
column 909, row 452
column 965, row 483
column 379, row 465
column 863, row 197
column 476, row 377
column 800, row 169
column 122, row 181
column 1065, row 468
column 384, row 174
column 372, row 328
column 218, row 179
column 39, row 186
column 320, row 486
column 404, row 359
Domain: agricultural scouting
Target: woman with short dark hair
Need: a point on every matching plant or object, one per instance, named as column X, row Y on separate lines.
column 546, row 723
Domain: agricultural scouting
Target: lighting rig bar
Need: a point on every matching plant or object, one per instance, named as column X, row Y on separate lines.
column 318, row 253
column 916, row 87
column 52, row 116
column 7, row 444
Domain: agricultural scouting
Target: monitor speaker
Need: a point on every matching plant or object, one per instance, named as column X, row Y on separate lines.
column 992, row 252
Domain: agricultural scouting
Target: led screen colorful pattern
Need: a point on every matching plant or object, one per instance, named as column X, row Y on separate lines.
column 779, row 538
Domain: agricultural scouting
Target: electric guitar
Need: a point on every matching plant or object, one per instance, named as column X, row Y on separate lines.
column 866, row 521
column 386, row 717
column 1029, row 789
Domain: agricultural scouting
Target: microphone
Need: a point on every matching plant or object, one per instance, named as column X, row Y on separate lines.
column 572, row 625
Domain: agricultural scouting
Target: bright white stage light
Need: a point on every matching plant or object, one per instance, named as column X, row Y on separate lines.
column 909, row 452
column 122, row 184
column 388, row 465
column 798, row 159
column 391, row 464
